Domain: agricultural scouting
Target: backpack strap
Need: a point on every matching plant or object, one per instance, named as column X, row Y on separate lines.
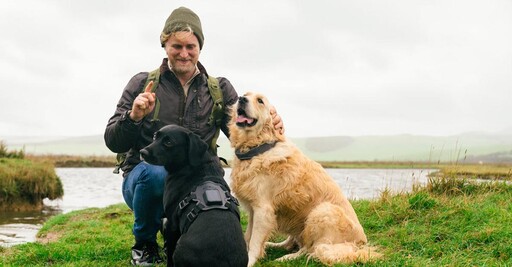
column 217, row 110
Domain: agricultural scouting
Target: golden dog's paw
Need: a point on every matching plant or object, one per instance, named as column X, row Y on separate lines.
column 292, row 256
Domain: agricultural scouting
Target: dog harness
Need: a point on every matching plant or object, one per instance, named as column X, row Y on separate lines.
column 206, row 196
column 255, row 151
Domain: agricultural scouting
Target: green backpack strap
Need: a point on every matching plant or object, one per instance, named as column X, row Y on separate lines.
column 155, row 77
column 217, row 110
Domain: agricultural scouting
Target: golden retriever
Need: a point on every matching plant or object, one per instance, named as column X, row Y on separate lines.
column 284, row 191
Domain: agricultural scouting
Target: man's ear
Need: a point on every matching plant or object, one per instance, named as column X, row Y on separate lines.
column 196, row 149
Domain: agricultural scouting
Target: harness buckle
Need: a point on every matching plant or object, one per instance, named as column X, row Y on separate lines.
column 235, row 200
column 184, row 203
column 192, row 215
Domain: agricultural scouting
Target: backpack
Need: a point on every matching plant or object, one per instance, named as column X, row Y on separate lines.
column 215, row 117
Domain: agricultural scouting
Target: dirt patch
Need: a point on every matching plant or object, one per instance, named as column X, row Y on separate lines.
column 48, row 238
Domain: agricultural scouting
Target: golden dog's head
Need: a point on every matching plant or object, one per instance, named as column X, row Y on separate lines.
column 251, row 122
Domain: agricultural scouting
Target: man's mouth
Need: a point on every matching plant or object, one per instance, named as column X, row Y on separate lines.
column 242, row 120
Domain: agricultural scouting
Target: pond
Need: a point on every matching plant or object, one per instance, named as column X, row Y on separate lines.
column 99, row 187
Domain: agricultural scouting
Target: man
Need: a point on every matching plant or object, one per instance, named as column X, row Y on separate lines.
column 184, row 100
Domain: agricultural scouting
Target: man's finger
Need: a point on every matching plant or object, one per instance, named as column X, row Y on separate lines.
column 149, row 87
column 272, row 110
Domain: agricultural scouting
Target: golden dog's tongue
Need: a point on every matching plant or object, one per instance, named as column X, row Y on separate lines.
column 242, row 119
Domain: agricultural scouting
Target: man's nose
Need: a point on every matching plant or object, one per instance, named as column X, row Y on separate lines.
column 183, row 53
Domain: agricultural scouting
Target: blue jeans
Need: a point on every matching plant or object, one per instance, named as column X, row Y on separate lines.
column 143, row 190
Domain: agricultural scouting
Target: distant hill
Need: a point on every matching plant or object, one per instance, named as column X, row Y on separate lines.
column 471, row 147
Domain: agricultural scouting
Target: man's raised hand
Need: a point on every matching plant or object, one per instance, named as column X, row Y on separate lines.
column 143, row 104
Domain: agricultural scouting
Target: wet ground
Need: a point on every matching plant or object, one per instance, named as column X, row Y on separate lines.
column 99, row 187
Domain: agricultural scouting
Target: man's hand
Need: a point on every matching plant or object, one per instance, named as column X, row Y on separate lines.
column 143, row 104
column 276, row 119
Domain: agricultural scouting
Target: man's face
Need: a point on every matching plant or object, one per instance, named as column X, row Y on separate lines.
column 182, row 49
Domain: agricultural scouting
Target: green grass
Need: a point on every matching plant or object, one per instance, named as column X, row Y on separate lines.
column 448, row 222
column 91, row 237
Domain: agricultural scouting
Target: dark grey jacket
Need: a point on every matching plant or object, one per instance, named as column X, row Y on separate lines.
column 123, row 135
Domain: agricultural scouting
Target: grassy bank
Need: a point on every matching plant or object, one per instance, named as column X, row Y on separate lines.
column 24, row 183
column 75, row 161
column 477, row 171
column 448, row 222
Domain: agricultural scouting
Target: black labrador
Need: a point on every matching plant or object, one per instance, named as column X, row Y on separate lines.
column 203, row 222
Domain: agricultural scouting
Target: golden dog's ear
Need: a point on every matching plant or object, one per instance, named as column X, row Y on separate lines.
column 196, row 149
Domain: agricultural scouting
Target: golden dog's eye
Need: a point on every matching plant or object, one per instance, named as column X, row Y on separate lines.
column 260, row 101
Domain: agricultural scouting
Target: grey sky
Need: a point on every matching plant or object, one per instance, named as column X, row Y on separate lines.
column 329, row 67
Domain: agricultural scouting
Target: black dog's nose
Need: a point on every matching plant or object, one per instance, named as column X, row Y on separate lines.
column 242, row 100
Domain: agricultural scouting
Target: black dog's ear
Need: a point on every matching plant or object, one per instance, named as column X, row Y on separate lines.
column 196, row 149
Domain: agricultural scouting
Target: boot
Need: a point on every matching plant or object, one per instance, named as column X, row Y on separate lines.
column 146, row 254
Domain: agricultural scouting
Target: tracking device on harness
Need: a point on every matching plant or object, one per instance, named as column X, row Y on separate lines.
column 206, row 196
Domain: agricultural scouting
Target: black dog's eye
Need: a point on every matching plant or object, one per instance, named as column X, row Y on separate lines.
column 167, row 142
column 260, row 101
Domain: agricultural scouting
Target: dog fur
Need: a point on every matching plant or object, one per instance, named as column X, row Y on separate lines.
column 215, row 237
column 284, row 191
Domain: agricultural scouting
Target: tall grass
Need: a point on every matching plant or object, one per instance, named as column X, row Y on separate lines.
column 24, row 184
column 4, row 153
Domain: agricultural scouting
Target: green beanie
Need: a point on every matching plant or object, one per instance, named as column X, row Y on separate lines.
column 185, row 16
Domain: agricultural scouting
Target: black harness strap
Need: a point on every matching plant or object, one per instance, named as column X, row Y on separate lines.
column 206, row 196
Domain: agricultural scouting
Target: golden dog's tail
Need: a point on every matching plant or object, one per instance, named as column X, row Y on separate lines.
column 330, row 254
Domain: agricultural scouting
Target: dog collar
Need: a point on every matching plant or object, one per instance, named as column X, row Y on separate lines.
column 255, row 151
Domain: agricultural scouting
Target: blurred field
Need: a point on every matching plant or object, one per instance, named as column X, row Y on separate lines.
column 466, row 148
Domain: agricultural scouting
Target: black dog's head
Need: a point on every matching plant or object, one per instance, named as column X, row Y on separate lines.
column 175, row 147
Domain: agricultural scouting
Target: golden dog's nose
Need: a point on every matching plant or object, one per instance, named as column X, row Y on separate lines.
column 242, row 100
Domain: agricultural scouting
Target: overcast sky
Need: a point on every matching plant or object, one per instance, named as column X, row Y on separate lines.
column 330, row 67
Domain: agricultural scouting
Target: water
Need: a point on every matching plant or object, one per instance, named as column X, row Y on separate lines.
column 99, row 187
